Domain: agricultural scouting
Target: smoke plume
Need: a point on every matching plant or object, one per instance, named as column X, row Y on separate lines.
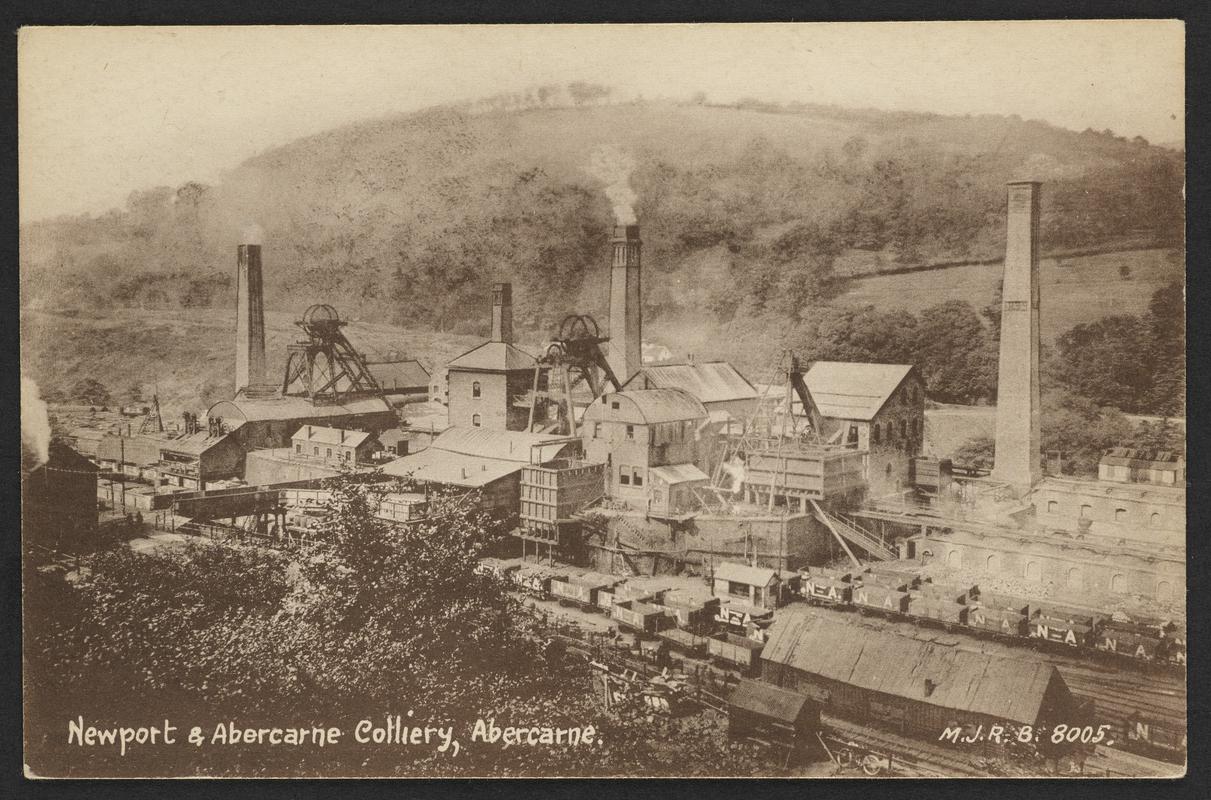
column 252, row 234
column 35, row 421
column 613, row 167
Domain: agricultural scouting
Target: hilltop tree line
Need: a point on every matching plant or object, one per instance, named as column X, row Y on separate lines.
column 409, row 219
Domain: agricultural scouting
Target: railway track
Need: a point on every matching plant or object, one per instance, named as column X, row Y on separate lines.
column 1117, row 695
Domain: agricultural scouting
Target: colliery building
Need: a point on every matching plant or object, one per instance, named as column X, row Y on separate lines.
column 473, row 459
column 921, row 687
column 636, row 432
column 59, row 500
column 487, row 384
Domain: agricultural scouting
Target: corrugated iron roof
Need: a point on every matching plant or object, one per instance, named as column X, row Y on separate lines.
column 337, row 436
column 710, row 382
column 287, row 408
column 648, row 406
column 494, row 357
column 743, row 573
column 679, row 473
column 515, row 446
column 395, row 376
column 945, row 676
column 191, row 443
column 851, row 390
column 768, row 700
column 454, row 469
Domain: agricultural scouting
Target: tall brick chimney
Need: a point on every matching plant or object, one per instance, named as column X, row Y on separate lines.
column 250, row 318
column 626, row 315
column 1018, row 425
column 502, row 313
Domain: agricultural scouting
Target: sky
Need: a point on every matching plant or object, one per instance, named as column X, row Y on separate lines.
column 105, row 111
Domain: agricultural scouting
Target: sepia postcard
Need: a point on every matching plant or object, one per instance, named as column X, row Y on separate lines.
column 703, row 400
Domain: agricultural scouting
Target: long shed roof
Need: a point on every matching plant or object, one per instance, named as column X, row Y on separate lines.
column 851, row 390
column 743, row 573
column 647, row 406
column 710, row 382
column 964, row 680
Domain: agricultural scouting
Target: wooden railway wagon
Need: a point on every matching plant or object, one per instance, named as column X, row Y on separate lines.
column 1073, row 630
column 691, row 612
column 736, row 650
column 1132, row 642
column 1002, row 602
column 826, row 590
column 534, row 580
column 496, row 567
column 1003, row 621
column 892, row 574
column 690, row 643
column 1174, row 651
column 640, row 616
column 881, row 598
column 1154, row 738
column 608, row 597
column 583, row 590
column 947, row 592
column 751, row 622
column 946, row 611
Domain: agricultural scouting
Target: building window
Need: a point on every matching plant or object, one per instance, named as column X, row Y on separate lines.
column 614, row 405
column 1117, row 583
column 1086, row 511
column 875, row 433
column 993, row 564
column 630, row 431
column 328, row 454
column 1033, row 573
column 315, row 451
column 920, row 428
column 1162, row 590
column 298, row 448
column 624, row 475
column 347, row 454
column 475, row 420
column 638, row 476
column 1053, row 507
column 596, row 430
column 903, row 429
column 1120, row 515
column 853, row 434
column 475, row 389
column 954, row 559
column 1155, row 520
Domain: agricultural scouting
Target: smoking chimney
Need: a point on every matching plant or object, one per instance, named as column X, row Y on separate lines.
column 502, row 313
column 626, row 316
column 250, row 318
column 1018, row 427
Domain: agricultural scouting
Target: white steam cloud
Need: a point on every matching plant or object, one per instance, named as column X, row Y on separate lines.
column 613, row 167
column 252, row 234
column 35, row 421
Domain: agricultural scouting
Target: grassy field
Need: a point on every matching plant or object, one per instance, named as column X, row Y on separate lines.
column 1075, row 290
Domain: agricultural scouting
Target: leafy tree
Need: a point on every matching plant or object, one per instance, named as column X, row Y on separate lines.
column 92, row 392
column 977, row 452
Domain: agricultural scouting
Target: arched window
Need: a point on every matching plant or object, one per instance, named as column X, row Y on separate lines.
column 954, row 559
column 475, row 420
column 875, row 433
column 1075, row 580
column 993, row 563
column 1120, row 515
column 1118, row 582
column 1155, row 520
column 1086, row 511
column 903, row 429
column 1033, row 571
column 1163, row 589
column 475, row 389
column 1053, row 506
